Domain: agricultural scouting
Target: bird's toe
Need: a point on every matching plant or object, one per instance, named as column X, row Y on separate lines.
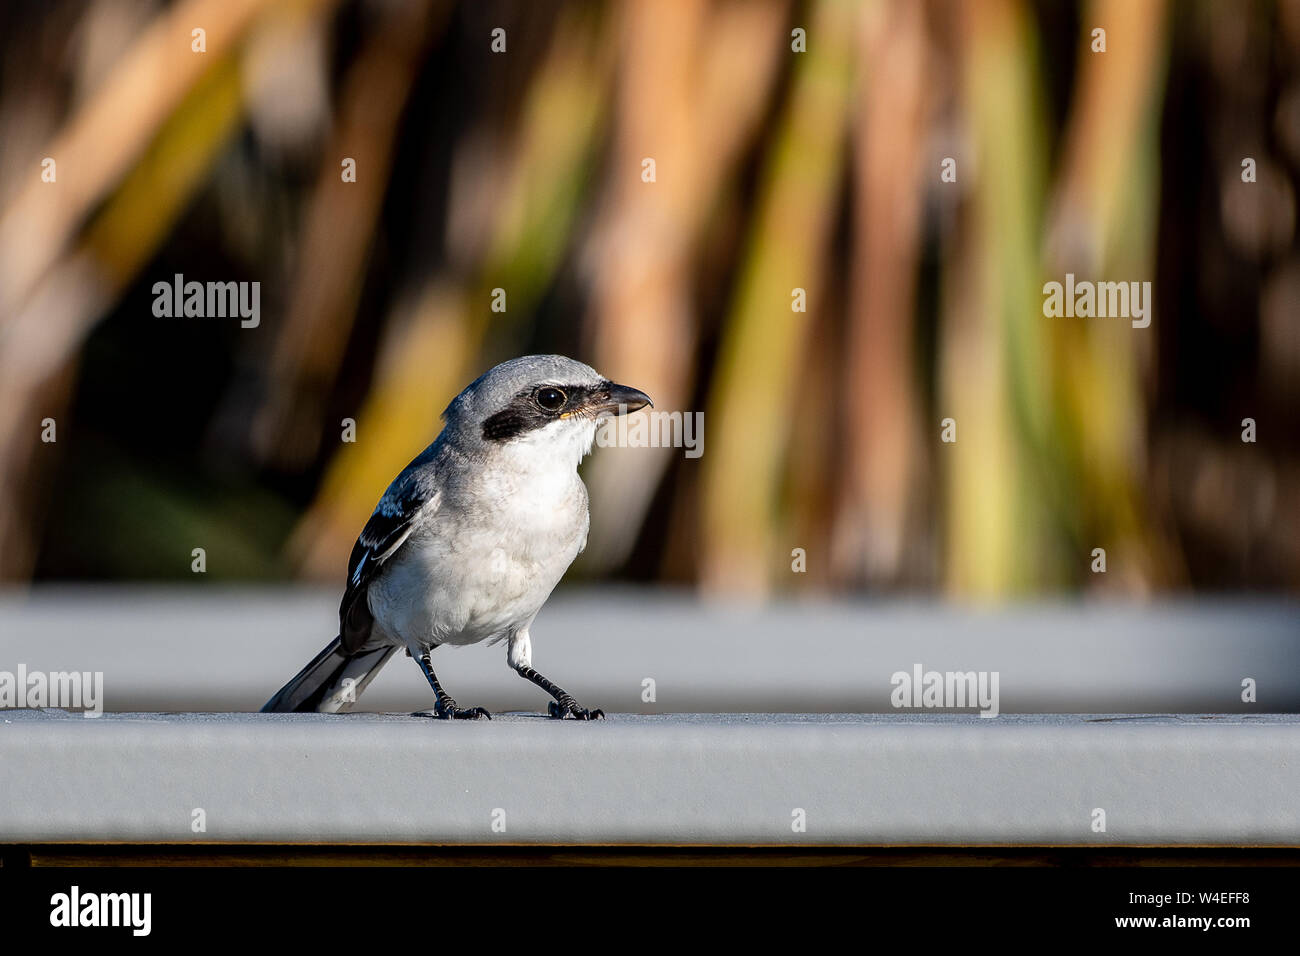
column 447, row 710
column 570, row 709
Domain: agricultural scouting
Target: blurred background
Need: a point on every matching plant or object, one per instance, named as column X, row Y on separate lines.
column 796, row 145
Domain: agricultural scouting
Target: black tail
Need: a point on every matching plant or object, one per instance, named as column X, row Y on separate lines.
column 332, row 682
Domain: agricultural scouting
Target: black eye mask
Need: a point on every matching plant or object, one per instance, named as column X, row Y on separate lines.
column 528, row 410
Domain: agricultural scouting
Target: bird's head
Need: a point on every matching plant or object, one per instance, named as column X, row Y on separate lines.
column 544, row 401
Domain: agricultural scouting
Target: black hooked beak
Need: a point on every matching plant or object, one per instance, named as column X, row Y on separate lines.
column 620, row 400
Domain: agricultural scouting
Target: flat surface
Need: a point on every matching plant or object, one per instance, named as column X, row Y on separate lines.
column 679, row 779
column 217, row 648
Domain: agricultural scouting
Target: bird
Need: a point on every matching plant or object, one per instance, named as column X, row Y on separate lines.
column 467, row 543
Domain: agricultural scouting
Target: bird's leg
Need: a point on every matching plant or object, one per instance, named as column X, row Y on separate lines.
column 564, row 705
column 446, row 707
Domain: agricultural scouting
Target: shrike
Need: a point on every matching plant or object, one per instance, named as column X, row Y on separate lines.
column 469, row 540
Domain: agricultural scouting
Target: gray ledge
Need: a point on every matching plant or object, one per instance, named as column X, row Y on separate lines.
column 635, row 779
column 222, row 648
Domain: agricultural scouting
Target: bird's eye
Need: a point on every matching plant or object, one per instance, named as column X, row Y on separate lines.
column 551, row 399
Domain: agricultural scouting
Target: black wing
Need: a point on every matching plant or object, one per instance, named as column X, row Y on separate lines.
column 388, row 528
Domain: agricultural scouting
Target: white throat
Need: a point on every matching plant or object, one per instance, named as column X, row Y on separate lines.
column 553, row 450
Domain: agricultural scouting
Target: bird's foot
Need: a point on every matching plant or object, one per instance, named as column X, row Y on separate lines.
column 446, row 709
column 566, row 708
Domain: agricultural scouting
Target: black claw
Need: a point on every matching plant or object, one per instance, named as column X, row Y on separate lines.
column 447, row 710
column 569, row 709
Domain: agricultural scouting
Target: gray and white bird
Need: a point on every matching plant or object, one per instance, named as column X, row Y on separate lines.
column 470, row 539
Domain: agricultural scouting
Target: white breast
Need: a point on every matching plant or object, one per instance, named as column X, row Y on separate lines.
column 485, row 563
